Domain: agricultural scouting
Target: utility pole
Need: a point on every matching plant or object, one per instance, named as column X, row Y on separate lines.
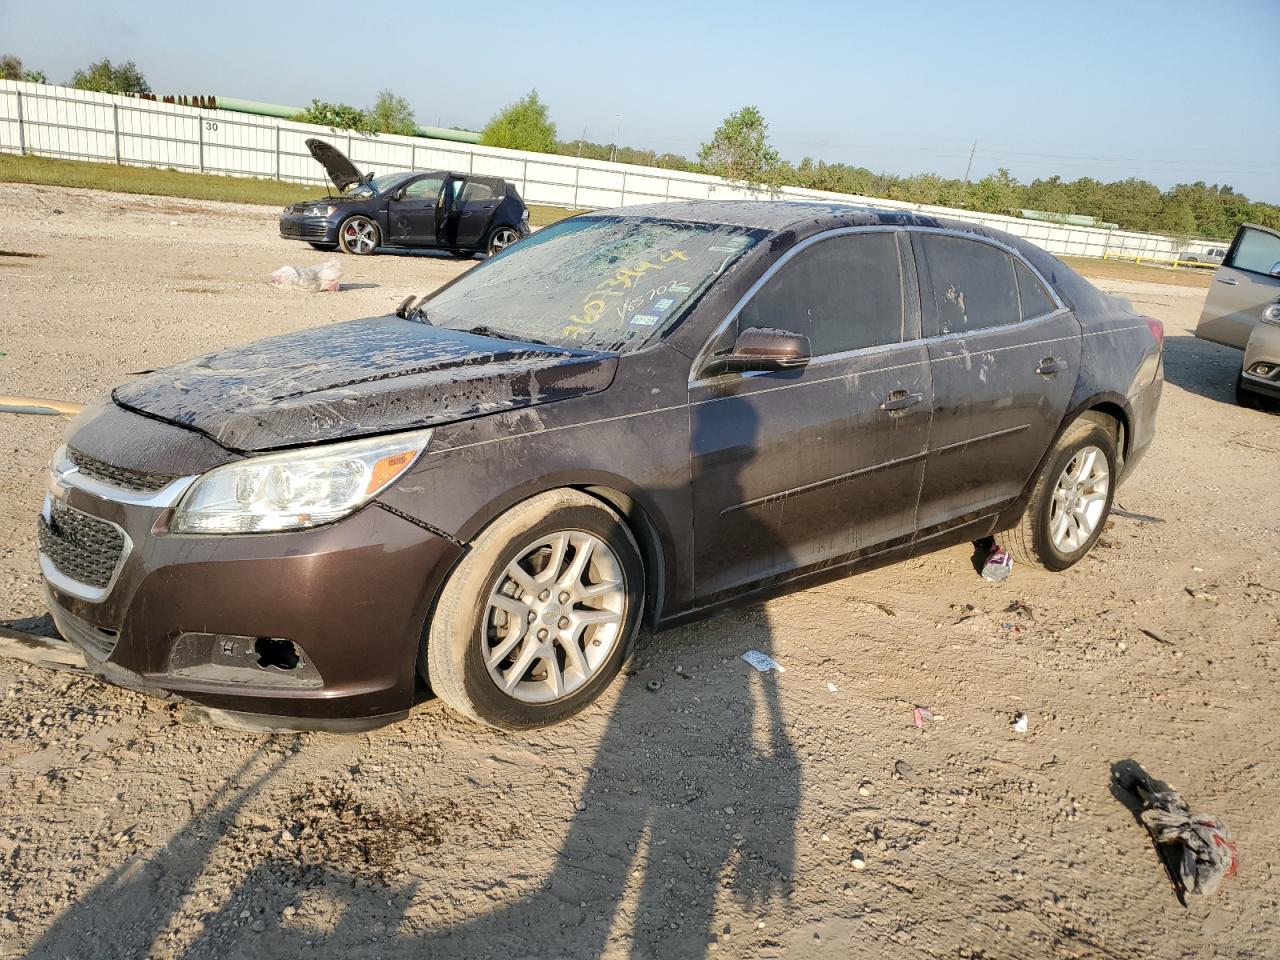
column 580, row 139
column 969, row 166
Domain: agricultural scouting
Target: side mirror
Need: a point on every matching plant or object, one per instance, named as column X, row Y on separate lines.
column 1275, row 269
column 762, row 348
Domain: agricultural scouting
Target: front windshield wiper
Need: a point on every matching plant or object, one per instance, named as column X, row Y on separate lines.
column 484, row 330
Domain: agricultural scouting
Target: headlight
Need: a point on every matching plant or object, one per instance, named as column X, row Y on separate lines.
column 298, row 488
column 320, row 210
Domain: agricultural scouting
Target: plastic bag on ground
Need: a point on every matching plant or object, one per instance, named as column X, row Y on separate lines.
column 323, row 278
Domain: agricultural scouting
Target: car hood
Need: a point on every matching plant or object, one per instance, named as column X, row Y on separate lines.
column 358, row 378
column 341, row 171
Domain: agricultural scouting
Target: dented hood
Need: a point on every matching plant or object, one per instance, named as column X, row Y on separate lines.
column 356, row 379
column 341, row 171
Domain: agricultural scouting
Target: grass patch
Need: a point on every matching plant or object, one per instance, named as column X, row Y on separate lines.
column 158, row 183
column 46, row 171
column 1124, row 270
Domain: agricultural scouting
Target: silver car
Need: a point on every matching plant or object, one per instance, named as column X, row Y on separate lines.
column 1242, row 310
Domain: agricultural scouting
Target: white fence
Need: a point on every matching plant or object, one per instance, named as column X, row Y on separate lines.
column 79, row 125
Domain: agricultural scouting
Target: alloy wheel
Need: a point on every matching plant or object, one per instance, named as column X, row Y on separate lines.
column 360, row 236
column 554, row 616
column 503, row 237
column 1079, row 499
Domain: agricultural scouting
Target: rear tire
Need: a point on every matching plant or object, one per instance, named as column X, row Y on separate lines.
column 1071, row 499
column 519, row 639
column 500, row 238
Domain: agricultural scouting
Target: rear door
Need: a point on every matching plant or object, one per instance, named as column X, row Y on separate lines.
column 477, row 203
column 797, row 468
column 1247, row 281
column 1004, row 355
column 411, row 213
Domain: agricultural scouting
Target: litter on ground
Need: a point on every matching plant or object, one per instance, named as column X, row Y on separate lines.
column 763, row 662
column 998, row 565
column 318, row 279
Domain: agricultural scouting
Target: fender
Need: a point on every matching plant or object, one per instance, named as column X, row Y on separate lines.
column 648, row 523
column 1107, row 401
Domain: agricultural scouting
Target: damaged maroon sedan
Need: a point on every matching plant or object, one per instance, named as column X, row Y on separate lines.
column 630, row 418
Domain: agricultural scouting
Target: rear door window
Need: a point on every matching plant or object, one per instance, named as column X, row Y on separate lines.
column 1256, row 251
column 1034, row 298
column 972, row 285
column 476, row 190
column 843, row 293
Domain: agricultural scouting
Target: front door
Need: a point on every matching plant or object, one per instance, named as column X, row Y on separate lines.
column 411, row 214
column 803, row 468
column 1247, row 281
column 1004, row 356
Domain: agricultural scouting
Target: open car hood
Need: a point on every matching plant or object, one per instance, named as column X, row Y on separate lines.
column 356, row 379
column 341, row 171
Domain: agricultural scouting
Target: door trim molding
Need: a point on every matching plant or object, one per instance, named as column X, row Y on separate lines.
column 829, row 481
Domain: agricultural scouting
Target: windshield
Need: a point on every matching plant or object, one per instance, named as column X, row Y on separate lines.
column 376, row 186
column 610, row 283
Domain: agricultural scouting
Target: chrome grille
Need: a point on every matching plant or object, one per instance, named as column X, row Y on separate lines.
column 139, row 481
column 79, row 546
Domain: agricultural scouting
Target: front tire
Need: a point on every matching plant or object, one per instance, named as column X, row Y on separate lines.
column 1070, row 501
column 359, row 235
column 539, row 616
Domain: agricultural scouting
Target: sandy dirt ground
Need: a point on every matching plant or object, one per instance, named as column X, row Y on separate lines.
column 723, row 813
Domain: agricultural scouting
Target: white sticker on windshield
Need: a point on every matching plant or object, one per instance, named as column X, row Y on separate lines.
column 643, row 320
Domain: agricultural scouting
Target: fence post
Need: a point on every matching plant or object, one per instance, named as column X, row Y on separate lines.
column 115, row 129
column 524, row 189
column 200, row 131
column 277, row 150
column 22, row 140
column 577, row 176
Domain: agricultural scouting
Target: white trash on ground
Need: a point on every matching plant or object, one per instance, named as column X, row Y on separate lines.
column 319, row 279
column 763, row 662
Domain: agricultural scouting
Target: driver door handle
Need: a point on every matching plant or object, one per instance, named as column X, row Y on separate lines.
column 1229, row 281
column 1050, row 366
column 900, row 400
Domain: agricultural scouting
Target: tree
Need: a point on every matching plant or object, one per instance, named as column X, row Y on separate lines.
column 739, row 150
column 392, row 114
column 523, row 125
column 341, row 116
column 105, row 77
column 997, row 192
column 11, row 69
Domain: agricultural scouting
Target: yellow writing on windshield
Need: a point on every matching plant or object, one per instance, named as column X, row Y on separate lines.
column 623, row 279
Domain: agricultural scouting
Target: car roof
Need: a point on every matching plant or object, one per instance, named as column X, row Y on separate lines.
column 776, row 215
column 803, row 218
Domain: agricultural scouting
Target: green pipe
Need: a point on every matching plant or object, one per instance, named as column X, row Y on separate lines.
column 445, row 133
column 258, row 107
column 288, row 113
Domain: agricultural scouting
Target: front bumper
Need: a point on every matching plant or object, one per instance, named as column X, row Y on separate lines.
column 311, row 229
column 189, row 615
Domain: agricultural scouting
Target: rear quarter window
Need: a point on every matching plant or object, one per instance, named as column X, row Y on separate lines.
column 971, row 284
column 1035, row 300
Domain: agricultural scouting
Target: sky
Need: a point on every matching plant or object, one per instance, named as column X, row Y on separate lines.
column 1169, row 92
